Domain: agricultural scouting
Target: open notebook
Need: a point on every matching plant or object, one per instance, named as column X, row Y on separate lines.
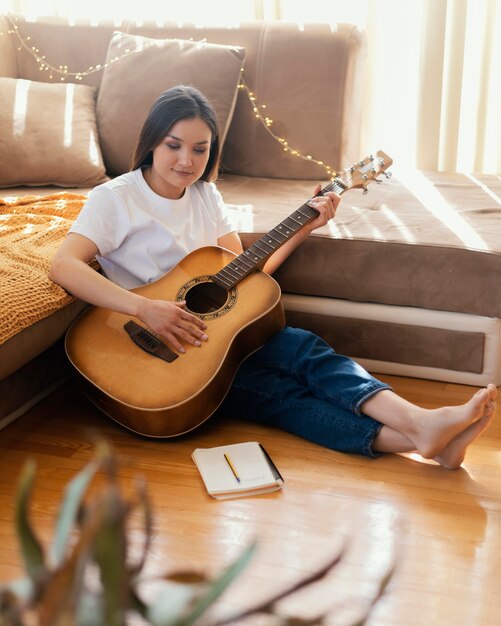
column 237, row 470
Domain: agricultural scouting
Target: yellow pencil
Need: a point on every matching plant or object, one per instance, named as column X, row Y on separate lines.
column 227, row 458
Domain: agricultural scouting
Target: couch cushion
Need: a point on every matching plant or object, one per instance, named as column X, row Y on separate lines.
column 48, row 135
column 311, row 79
column 310, row 76
column 429, row 240
column 143, row 70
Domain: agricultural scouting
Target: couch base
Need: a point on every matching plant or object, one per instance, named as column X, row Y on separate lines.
column 352, row 328
column 396, row 340
column 31, row 383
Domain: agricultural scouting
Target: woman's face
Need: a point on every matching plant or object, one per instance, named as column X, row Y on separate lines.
column 180, row 158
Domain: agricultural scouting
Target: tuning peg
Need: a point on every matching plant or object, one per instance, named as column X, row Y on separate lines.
column 365, row 191
column 378, row 181
column 388, row 174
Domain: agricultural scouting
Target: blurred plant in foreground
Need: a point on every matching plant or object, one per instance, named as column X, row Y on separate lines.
column 87, row 579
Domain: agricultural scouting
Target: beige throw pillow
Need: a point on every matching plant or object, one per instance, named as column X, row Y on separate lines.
column 48, row 135
column 138, row 69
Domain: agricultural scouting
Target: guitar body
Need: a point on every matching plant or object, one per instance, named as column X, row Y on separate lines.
column 142, row 384
column 157, row 398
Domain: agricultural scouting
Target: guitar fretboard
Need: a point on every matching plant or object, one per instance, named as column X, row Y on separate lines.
column 256, row 255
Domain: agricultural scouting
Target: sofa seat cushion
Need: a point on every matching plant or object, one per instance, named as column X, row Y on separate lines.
column 428, row 240
column 138, row 69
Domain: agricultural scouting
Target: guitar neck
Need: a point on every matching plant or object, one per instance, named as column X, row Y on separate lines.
column 358, row 175
column 256, row 255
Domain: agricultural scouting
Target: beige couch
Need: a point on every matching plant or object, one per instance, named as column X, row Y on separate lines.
column 407, row 278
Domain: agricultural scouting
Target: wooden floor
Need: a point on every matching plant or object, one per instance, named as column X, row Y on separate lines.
column 442, row 527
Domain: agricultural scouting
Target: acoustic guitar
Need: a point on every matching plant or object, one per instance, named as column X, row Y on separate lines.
column 135, row 378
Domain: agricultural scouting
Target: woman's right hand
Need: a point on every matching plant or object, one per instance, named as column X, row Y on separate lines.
column 173, row 322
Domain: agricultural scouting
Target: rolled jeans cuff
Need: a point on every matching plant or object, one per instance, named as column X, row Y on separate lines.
column 365, row 394
column 368, row 442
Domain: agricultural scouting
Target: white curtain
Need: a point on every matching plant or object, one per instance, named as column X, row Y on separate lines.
column 432, row 88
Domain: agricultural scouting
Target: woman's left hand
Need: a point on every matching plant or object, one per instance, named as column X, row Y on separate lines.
column 326, row 205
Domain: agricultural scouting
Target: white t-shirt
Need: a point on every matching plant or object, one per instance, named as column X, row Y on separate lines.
column 141, row 235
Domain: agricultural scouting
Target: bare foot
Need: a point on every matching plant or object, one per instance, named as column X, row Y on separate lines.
column 436, row 428
column 454, row 452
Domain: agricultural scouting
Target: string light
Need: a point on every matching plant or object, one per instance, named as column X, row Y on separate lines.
column 63, row 72
column 268, row 122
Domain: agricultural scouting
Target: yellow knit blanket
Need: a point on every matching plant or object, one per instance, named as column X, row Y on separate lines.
column 31, row 230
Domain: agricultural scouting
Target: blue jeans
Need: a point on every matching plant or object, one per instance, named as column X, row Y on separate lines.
column 297, row 382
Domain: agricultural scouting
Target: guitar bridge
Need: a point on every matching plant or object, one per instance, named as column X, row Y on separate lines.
column 148, row 342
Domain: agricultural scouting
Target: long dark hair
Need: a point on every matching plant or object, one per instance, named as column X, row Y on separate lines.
column 176, row 104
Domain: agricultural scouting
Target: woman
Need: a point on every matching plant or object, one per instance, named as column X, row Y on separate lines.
column 144, row 222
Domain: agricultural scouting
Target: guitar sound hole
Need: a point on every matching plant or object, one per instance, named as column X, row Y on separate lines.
column 205, row 297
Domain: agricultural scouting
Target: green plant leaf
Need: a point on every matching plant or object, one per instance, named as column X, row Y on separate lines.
column 31, row 548
column 267, row 606
column 219, row 585
column 110, row 552
column 172, row 602
column 144, row 504
column 61, row 594
column 90, row 610
column 135, row 602
column 383, row 584
column 73, row 496
column 22, row 587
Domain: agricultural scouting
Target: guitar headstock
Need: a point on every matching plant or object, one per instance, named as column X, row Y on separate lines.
column 363, row 172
